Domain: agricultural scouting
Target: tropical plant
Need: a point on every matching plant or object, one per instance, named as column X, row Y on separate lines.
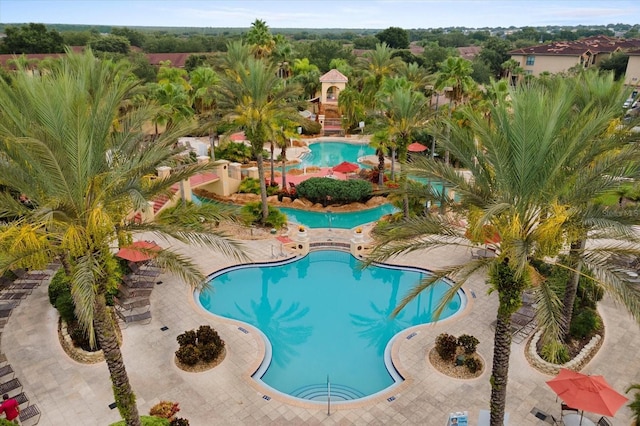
column 519, row 164
column 635, row 404
column 254, row 98
column 405, row 111
column 87, row 166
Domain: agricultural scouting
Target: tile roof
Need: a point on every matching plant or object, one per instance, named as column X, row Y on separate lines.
column 596, row 44
column 334, row 76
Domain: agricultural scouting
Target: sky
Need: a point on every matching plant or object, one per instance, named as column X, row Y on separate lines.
column 369, row 14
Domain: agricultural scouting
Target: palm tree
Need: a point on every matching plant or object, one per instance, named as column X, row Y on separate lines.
column 254, row 98
column 87, row 168
column 380, row 142
column 405, row 111
column 260, row 39
column 518, row 165
column 455, row 72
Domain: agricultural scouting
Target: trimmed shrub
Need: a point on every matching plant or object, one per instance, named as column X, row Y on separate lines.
column 210, row 351
column 469, row 343
column 188, row 354
column 179, row 422
column 66, row 308
column 584, row 323
column 59, row 285
column 187, row 338
column 472, row 364
column 207, row 335
column 446, row 346
column 334, row 191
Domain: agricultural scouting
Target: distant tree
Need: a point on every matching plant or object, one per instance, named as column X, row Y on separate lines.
column 616, row 63
column 110, row 43
column 395, row 37
column 321, row 52
column 454, row 39
column 365, row 42
column 77, row 38
column 341, row 65
column 408, row 57
column 142, row 68
column 194, row 61
column 634, row 32
column 136, row 38
column 434, row 54
column 495, row 52
column 481, row 71
column 31, row 38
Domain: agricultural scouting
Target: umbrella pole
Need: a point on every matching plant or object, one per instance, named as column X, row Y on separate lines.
column 581, row 415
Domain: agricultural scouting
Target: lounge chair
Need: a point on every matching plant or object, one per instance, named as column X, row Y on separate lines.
column 603, row 421
column 10, row 386
column 564, row 407
column 31, row 412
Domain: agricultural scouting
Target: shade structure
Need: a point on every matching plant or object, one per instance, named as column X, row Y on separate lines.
column 416, row 147
column 139, row 251
column 345, row 167
column 587, row 393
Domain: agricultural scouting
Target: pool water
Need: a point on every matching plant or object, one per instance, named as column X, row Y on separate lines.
column 329, row 154
column 325, row 317
column 343, row 220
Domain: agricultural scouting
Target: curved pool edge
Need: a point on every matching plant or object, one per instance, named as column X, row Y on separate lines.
column 392, row 356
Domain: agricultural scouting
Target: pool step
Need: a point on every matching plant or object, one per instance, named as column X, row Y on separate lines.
column 318, row 392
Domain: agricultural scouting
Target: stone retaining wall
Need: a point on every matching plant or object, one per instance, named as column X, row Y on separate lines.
column 576, row 364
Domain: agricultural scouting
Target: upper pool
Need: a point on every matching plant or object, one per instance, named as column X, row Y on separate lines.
column 332, row 153
column 323, row 315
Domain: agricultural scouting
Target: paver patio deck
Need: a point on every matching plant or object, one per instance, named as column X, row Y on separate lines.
column 69, row 393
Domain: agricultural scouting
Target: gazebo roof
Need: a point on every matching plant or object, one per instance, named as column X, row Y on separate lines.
column 334, row 76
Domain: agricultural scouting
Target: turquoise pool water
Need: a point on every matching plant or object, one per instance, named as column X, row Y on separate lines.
column 323, row 316
column 329, row 153
column 343, row 220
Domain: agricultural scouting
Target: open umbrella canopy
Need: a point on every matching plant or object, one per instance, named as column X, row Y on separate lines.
column 416, row 147
column 346, row 167
column 139, row 251
column 587, row 393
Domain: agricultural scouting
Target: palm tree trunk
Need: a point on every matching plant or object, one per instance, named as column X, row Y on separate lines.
column 283, row 154
column 570, row 291
column 273, row 172
column 380, row 167
column 263, row 188
column 105, row 332
column 500, row 368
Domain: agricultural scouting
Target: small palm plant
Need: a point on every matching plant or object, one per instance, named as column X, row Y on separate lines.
column 635, row 404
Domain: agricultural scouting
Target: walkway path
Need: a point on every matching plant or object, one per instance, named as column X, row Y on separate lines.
column 72, row 394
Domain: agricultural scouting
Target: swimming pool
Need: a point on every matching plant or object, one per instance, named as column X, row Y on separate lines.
column 332, row 153
column 321, row 325
column 343, row 220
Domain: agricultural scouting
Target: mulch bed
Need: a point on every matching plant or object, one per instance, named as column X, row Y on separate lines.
column 449, row 368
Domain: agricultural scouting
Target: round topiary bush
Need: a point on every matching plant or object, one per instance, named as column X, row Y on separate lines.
column 188, row 354
column 207, row 335
column 210, row 351
column 473, row 364
column 469, row 343
column 446, row 346
column 187, row 338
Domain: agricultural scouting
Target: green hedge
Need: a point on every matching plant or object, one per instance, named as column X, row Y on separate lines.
column 146, row 421
column 334, row 191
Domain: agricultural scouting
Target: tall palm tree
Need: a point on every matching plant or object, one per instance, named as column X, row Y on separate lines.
column 254, row 98
column 87, row 168
column 260, row 39
column 405, row 111
column 455, row 72
column 519, row 163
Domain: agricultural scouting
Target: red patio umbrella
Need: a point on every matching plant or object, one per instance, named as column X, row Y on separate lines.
column 139, row 251
column 416, row 147
column 345, row 167
column 586, row 393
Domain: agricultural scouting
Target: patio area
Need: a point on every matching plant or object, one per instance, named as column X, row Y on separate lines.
column 70, row 393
